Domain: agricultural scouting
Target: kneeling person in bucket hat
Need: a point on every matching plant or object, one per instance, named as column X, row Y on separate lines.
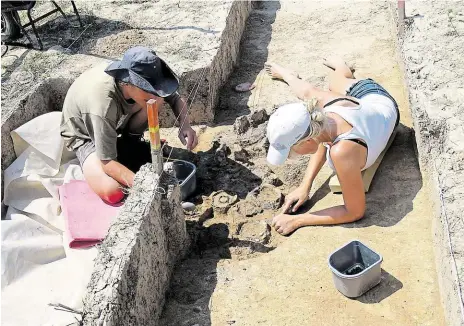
column 104, row 117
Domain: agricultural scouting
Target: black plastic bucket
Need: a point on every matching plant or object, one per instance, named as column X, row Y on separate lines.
column 186, row 174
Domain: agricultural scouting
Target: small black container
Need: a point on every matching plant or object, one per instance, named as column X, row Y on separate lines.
column 186, row 174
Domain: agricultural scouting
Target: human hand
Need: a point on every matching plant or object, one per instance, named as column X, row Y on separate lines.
column 188, row 137
column 295, row 199
column 285, row 224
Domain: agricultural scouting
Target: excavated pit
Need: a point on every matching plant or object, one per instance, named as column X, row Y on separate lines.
column 226, row 285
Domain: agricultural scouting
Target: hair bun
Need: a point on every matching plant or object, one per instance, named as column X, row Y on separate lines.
column 317, row 116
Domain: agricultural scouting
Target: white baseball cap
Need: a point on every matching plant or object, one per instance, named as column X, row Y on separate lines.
column 285, row 128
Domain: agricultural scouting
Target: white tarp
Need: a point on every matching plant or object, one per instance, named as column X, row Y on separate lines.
column 37, row 266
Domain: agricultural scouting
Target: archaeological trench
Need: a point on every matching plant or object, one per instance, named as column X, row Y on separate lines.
column 160, row 265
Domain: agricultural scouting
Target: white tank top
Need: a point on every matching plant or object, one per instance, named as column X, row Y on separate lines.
column 373, row 122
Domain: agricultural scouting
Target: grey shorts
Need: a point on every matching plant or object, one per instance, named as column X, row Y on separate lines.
column 133, row 152
column 84, row 151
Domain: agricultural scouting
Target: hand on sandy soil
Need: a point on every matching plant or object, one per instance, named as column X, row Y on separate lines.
column 276, row 71
column 285, row 224
column 188, row 137
column 295, row 199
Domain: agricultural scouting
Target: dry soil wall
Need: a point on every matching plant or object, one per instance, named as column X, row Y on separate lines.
column 431, row 49
column 134, row 263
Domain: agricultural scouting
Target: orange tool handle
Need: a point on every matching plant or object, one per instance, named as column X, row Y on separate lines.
column 153, row 124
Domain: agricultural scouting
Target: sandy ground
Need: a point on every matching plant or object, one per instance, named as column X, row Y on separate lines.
column 292, row 284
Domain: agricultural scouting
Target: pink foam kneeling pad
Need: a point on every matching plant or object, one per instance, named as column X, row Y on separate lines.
column 87, row 216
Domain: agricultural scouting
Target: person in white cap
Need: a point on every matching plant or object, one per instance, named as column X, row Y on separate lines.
column 348, row 126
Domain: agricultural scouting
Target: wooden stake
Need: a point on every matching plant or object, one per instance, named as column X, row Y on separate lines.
column 153, row 128
column 401, row 15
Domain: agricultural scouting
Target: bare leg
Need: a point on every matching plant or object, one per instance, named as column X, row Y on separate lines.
column 341, row 77
column 302, row 89
column 337, row 63
column 103, row 185
column 275, row 74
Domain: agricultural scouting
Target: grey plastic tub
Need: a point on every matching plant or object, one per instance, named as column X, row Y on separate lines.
column 186, row 174
column 355, row 268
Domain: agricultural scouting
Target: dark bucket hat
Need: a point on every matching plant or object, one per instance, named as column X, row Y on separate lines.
column 142, row 68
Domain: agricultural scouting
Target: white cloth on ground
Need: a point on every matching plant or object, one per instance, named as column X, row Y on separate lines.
column 37, row 267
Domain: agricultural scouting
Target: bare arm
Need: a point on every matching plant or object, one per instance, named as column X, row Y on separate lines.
column 187, row 135
column 314, row 166
column 138, row 123
column 119, row 172
column 105, row 141
column 301, row 194
column 347, row 161
column 179, row 108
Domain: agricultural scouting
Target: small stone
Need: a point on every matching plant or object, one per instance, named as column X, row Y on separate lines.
column 241, row 124
column 188, row 206
column 223, row 148
column 207, row 214
column 264, row 144
column 256, row 231
column 266, row 196
column 240, row 154
column 197, row 309
column 222, row 201
column 58, row 49
column 215, row 143
column 259, row 117
column 254, row 136
column 415, row 58
column 424, row 72
column 244, row 87
column 247, row 208
column 221, row 154
column 168, row 168
column 272, row 179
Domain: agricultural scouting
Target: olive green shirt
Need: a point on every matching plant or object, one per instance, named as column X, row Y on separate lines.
column 95, row 110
